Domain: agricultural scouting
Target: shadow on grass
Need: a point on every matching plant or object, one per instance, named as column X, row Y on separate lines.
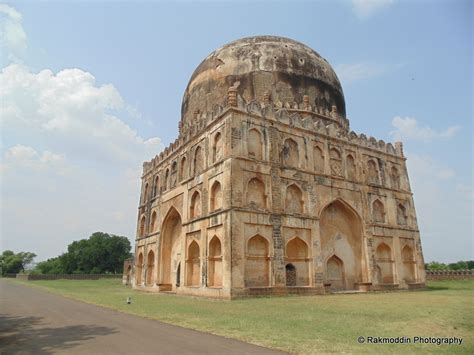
column 29, row 335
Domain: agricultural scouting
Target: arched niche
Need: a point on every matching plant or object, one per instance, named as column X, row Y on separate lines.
column 384, row 260
column 256, row 193
column 193, row 265
column 214, row 263
column 257, row 263
column 290, row 153
column 195, row 205
column 297, row 254
column 341, row 236
column 294, row 202
column 216, row 196
column 139, row 269
column 318, row 159
column 378, row 211
column 409, row 263
column 150, row 269
column 171, row 249
column 254, row 144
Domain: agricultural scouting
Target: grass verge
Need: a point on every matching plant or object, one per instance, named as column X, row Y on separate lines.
column 305, row 324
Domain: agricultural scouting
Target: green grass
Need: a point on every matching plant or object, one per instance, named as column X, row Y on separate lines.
column 305, row 324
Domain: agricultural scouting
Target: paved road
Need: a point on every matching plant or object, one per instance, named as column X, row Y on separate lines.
column 33, row 321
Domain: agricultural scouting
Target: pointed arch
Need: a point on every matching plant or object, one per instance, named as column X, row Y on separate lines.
column 153, row 226
column 335, row 273
column 214, row 268
column 395, row 178
column 378, row 211
column 254, row 144
column 145, row 194
column 318, row 159
column 198, row 162
column 166, row 180
column 216, row 196
column 256, row 193
column 335, row 162
column 171, row 249
column 409, row 263
column 384, row 260
column 257, row 264
column 141, row 228
column 294, row 202
column 290, row 153
column 297, row 254
column 156, row 186
column 183, row 168
column 150, row 269
column 217, row 147
column 341, row 235
column 372, row 172
column 350, row 167
column 195, row 205
column 193, row 266
column 139, row 269
column 402, row 218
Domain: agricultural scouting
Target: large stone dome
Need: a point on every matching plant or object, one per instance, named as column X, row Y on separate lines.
column 280, row 67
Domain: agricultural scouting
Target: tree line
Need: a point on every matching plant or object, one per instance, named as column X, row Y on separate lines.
column 460, row 265
column 101, row 253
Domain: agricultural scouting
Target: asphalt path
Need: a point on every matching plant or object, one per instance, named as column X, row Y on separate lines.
column 33, row 321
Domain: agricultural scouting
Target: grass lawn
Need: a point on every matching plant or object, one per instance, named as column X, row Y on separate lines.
column 303, row 324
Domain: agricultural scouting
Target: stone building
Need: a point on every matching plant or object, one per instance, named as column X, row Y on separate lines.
column 266, row 190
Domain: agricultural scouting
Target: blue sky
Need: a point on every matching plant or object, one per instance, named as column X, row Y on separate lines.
column 92, row 89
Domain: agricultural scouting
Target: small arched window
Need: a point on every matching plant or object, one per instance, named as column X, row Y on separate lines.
column 335, row 162
column 290, row 153
column 153, row 222
column 216, row 196
column 156, row 186
column 195, row 206
column 145, row 193
column 254, row 144
column 198, row 161
column 183, row 170
column 141, row 230
column 318, row 158
column 256, row 193
column 373, row 172
column 378, row 211
column 402, row 217
column 395, row 178
column 294, row 199
column 217, row 147
column 350, row 167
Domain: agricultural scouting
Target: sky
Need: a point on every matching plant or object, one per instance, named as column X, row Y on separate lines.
column 89, row 90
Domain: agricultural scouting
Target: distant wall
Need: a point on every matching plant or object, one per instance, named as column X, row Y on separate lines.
column 34, row 277
column 450, row 275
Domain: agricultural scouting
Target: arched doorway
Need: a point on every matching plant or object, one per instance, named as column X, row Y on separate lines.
column 383, row 256
column 214, row 263
column 296, row 256
column 171, row 250
column 290, row 275
column 150, row 269
column 342, row 245
column 193, row 266
column 139, row 268
column 335, row 273
column 257, row 264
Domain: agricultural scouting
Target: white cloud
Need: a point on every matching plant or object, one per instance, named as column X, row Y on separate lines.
column 406, row 128
column 349, row 73
column 13, row 40
column 77, row 116
column 366, row 8
column 72, row 163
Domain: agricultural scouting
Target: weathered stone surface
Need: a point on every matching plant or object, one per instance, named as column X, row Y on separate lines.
column 268, row 192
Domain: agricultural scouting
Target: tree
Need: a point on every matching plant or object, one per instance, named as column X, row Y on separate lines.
column 12, row 263
column 101, row 253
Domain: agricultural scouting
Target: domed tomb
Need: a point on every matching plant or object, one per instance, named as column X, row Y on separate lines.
column 282, row 68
